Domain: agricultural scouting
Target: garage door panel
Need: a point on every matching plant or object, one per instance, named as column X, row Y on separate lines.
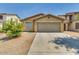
column 48, row 27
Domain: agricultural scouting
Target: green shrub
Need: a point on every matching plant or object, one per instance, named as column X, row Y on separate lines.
column 12, row 28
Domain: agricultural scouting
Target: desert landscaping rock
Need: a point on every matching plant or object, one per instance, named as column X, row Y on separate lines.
column 2, row 35
column 17, row 46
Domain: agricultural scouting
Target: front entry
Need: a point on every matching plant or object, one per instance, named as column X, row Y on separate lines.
column 66, row 27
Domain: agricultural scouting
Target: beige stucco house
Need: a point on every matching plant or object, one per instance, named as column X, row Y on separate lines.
column 52, row 23
column 6, row 16
column 44, row 23
column 71, row 22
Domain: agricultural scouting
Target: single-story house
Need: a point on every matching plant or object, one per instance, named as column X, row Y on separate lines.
column 44, row 23
column 52, row 23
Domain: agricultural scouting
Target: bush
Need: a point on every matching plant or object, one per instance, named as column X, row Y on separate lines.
column 12, row 28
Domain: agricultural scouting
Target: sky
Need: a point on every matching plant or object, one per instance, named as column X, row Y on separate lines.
column 24, row 10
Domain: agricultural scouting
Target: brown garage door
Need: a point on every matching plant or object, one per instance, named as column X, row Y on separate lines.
column 48, row 27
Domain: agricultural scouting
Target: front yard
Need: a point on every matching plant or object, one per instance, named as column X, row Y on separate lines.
column 12, row 38
column 44, row 43
column 20, row 45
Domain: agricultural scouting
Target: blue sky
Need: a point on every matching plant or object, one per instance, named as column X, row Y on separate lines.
column 29, row 9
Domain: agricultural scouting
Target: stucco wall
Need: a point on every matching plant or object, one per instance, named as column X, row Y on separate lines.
column 12, row 17
column 72, row 26
column 48, row 19
column 31, row 19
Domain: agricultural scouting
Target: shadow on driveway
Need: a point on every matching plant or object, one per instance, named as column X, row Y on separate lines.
column 68, row 42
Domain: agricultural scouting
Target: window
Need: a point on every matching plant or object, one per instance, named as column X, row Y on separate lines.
column 70, row 17
column 1, row 17
column 28, row 26
column 77, row 26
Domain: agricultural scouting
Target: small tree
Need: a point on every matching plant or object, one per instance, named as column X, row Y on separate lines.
column 12, row 28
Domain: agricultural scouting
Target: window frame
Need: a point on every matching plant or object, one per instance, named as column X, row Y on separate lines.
column 1, row 16
column 77, row 25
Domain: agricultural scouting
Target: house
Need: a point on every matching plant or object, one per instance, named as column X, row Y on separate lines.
column 44, row 23
column 52, row 23
column 5, row 16
column 71, row 22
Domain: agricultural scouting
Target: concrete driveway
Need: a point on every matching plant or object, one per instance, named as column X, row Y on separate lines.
column 43, row 44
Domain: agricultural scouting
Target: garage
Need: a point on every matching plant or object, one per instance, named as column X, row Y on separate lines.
column 48, row 27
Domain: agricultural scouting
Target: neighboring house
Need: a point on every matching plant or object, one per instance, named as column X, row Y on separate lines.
column 5, row 16
column 52, row 23
column 71, row 22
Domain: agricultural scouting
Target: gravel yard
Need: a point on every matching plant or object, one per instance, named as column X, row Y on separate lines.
column 16, row 46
